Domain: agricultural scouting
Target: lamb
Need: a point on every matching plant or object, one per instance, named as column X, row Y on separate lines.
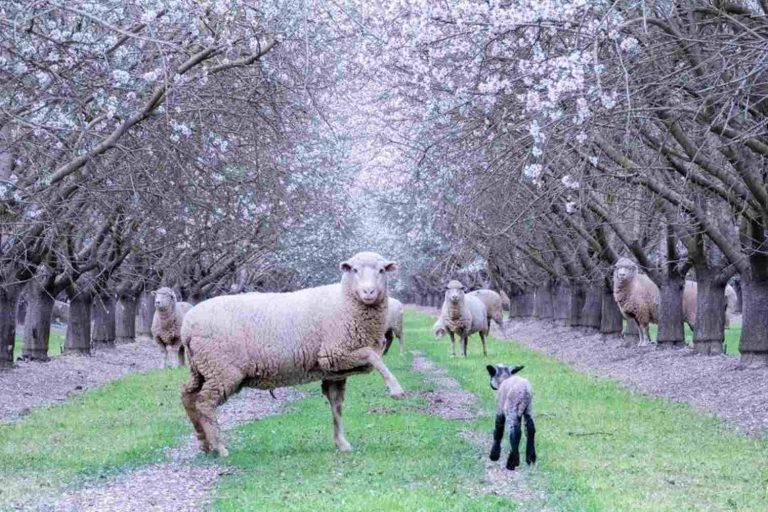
column 637, row 297
column 514, row 401
column 464, row 315
column 690, row 295
column 492, row 302
column 394, row 326
column 166, row 323
column 270, row 340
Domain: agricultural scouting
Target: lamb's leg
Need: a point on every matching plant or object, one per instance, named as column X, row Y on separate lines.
column 334, row 392
column 367, row 355
column 498, row 435
column 453, row 343
column 213, row 394
column 530, row 442
column 482, row 339
column 514, row 443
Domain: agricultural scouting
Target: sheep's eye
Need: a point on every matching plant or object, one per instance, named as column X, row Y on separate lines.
column 354, row 270
column 381, row 271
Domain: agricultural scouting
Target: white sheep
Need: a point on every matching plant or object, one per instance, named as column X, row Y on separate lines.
column 166, row 324
column 690, row 295
column 514, row 402
column 394, row 326
column 270, row 340
column 463, row 315
column 493, row 303
column 637, row 296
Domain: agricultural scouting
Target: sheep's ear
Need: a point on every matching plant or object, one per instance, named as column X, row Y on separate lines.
column 491, row 370
column 153, row 293
column 390, row 266
column 464, row 289
column 345, row 266
column 515, row 369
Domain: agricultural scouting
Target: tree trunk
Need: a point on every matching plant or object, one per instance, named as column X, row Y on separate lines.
column 21, row 310
column 592, row 310
column 739, row 296
column 9, row 297
column 103, row 314
column 530, row 303
column 577, row 298
column 125, row 319
column 753, row 343
column 610, row 318
column 79, row 326
column 37, row 325
column 709, row 334
column 671, row 328
column 144, row 318
column 562, row 304
column 543, row 309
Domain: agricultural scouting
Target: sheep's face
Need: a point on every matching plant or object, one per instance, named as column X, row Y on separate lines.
column 165, row 298
column 625, row 270
column 454, row 292
column 365, row 275
column 499, row 373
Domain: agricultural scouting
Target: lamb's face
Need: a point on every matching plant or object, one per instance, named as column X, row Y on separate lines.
column 165, row 298
column 499, row 373
column 454, row 292
column 365, row 274
column 625, row 269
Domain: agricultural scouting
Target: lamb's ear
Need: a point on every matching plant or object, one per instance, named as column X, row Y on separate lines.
column 345, row 266
column 390, row 266
column 491, row 370
column 515, row 369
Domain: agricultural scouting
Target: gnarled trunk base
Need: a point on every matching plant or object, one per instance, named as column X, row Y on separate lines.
column 125, row 319
column 671, row 329
column 709, row 334
column 753, row 344
column 79, row 325
column 9, row 297
column 103, row 314
column 37, row 325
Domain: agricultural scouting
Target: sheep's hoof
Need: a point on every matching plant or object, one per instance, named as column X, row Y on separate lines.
column 397, row 394
column 223, row 452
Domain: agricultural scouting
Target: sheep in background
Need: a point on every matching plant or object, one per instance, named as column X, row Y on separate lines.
column 394, row 326
column 493, row 303
column 464, row 315
column 690, row 295
column 637, row 296
column 514, row 402
column 270, row 340
column 166, row 323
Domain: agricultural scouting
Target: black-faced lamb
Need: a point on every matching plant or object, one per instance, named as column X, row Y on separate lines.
column 514, row 402
column 394, row 327
column 463, row 315
column 270, row 340
column 166, row 324
column 637, row 296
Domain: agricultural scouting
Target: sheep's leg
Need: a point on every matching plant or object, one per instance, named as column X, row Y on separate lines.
column 367, row 355
column 169, row 359
column 514, row 443
column 464, row 343
column 530, row 442
column 209, row 398
column 498, row 435
column 453, row 343
column 189, row 392
column 334, row 392
column 180, row 354
column 482, row 339
column 401, row 342
column 389, row 337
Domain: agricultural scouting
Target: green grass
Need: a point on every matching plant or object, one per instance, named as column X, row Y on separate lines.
column 732, row 335
column 55, row 344
column 601, row 447
column 123, row 424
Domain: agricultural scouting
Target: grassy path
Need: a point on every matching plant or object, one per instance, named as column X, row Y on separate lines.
column 601, row 448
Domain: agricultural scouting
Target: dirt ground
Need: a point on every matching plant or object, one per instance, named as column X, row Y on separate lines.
column 714, row 384
column 34, row 384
